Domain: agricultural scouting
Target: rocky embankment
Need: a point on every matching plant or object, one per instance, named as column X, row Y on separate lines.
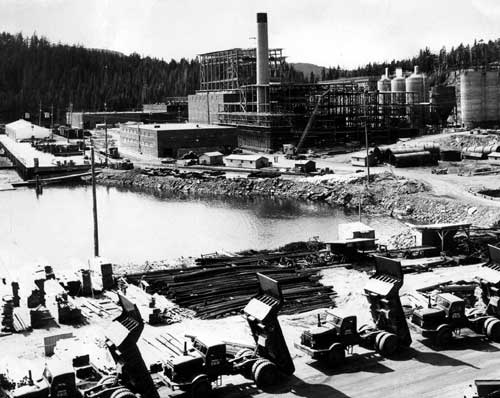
column 387, row 194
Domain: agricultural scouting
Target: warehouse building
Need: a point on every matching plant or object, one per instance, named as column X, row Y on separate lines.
column 21, row 130
column 246, row 161
column 175, row 139
column 89, row 120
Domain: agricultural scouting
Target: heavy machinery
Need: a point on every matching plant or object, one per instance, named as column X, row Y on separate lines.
column 447, row 315
column 489, row 282
column 338, row 334
column 82, row 379
column 208, row 360
column 483, row 389
column 293, row 152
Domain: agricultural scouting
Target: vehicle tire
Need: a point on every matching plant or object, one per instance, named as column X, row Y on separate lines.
column 388, row 344
column 335, row 355
column 266, row 375
column 378, row 339
column 201, row 387
column 111, row 379
column 256, row 364
column 493, row 330
column 122, row 393
column 444, row 335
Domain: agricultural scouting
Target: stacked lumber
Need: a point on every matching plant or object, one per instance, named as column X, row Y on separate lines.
column 221, row 290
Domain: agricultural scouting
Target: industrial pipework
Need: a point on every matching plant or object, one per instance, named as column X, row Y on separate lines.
column 262, row 62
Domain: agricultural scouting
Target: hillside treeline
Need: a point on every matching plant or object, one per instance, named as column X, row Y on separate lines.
column 436, row 65
column 32, row 70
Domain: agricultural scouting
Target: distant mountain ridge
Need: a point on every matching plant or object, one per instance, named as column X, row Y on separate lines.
column 307, row 68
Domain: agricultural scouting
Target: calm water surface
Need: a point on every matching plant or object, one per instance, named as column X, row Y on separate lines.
column 57, row 227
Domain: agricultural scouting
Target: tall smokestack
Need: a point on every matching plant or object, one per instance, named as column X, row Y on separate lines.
column 262, row 62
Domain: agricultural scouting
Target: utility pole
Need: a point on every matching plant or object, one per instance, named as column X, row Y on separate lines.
column 52, row 117
column 366, row 143
column 105, row 136
column 94, row 203
column 105, row 116
column 40, row 114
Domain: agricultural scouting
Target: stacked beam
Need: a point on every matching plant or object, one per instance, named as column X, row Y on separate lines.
column 220, row 290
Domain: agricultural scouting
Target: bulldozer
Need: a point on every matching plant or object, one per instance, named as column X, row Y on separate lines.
column 330, row 340
column 207, row 360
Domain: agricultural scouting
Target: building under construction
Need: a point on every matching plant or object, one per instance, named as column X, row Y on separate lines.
column 244, row 88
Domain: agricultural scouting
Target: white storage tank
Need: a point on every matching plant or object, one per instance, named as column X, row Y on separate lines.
column 398, row 87
column 384, row 88
column 415, row 87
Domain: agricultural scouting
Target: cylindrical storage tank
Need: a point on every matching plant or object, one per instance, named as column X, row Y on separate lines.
column 492, row 86
column 415, row 86
column 398, row 87
column 384, row 88
column 472, row 98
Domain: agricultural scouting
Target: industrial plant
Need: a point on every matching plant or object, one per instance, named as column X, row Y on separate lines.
column 265, row 235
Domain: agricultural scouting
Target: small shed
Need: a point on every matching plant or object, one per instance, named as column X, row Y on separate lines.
column 358, row 234
column 211, row 159
column 439, row 235
column 359, row 160
column 305, row 166
column 246, row 161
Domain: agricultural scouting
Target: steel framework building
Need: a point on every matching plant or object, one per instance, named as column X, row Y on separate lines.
column 231, row 69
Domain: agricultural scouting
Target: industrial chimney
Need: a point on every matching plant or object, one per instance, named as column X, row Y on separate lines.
column 262, row 62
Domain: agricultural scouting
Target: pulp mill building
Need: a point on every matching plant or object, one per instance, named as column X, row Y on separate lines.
column 245, row 94
column 244, row 88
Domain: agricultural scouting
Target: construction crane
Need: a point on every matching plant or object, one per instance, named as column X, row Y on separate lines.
column 292, row 152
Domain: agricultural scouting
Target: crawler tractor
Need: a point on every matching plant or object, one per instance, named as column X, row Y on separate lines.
column 440, row 320
column 330, row 340
column 207, row 361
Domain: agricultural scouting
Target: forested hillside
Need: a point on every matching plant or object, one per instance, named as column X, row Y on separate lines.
column 32, row 70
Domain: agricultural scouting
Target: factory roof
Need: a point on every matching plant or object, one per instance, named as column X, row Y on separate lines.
column 244, row 157
column 216, row 153
column 181, row 126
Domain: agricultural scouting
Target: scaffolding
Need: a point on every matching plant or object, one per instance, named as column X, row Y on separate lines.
column 342, row 108
column 237, row 67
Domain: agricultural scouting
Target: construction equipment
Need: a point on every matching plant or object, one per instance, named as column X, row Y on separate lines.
column 82, row 379
column 330, row 340
column 483, row 389
column 292, row 152
column 446, row 316
column 489, row 282
column 207, row 360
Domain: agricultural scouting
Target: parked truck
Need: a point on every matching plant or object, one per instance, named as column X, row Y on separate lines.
column 81, row 379
column 447, row 315
column 489, row 282
column 338, row 333
column 207, row 360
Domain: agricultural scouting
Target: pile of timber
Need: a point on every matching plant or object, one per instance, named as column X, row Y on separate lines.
column 221, row 290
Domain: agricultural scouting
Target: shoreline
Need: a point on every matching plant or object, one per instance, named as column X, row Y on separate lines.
column 388, row 195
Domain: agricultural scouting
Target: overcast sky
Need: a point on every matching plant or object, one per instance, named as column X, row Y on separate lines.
column 325, row 32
